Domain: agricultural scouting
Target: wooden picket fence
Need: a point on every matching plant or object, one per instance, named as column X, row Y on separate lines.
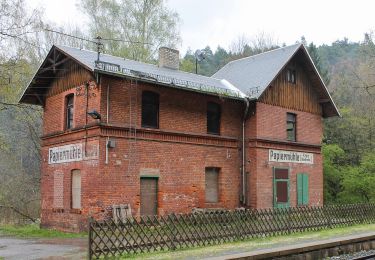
column 133, row 235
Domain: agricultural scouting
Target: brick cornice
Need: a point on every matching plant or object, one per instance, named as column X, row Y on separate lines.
column 281, row 144
column 168, row 136
column 128, row 132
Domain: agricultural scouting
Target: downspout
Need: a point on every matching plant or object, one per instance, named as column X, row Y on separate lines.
column 107, row 141
column 243, row 151
column 87, row 84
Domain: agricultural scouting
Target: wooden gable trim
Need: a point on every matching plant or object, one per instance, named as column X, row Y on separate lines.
column 328, row 107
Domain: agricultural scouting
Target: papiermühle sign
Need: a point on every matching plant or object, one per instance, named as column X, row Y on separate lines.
column 66, row 153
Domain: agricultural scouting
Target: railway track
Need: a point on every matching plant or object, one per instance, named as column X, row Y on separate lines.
column 369, row 256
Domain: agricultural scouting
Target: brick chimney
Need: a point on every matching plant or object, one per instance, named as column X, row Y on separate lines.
column 169, row 58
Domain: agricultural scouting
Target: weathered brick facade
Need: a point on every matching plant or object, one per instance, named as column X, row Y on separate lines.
column 176, row 154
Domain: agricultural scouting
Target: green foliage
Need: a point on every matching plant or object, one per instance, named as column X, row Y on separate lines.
column 322, row 68
column 333, row 155
column 141, row 26
column 34, row 230
column 344, row 183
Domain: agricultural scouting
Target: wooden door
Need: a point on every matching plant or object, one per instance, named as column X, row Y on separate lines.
column 149, row 196
column 281, row 187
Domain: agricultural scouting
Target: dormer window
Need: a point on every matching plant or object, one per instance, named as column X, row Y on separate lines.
column 291, row 76
column 69, row 111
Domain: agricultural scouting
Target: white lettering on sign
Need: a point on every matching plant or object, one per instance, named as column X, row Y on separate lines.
column 290, row 156
column 66, row 153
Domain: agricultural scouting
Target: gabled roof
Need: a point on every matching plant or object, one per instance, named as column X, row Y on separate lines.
column 256, row 71
column 252, row 75
column 247, row 77
column 118, row 66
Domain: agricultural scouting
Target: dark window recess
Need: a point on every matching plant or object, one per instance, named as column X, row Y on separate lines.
column 213, row 118
column 291, row 76
column 150, row 109
column 291, row 127
column 212, row 185
column 69, row 111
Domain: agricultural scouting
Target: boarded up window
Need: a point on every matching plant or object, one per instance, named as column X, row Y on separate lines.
column 212, row 185
column 213, row 118
column 303, row 189
column 150, row 109
column 76, row 189
column 58, row 190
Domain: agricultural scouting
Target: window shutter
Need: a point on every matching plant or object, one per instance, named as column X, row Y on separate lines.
column 302, row 189
column 305, row 195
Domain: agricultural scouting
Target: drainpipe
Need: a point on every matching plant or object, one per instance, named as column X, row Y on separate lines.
column 107, row 141
column 243, row 151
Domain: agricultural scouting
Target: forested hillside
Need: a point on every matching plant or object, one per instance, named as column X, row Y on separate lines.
column 347, row 67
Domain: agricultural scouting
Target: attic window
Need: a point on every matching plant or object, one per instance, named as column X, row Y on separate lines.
column 291, row 76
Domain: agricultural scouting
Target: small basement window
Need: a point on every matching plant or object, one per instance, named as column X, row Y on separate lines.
column 213, row 118
column 69, row 111
column 291, row 76
column 291, row 131
column 150, row 109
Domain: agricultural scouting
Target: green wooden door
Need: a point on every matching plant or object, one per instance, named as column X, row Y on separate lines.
column 302, row 189
column 281, row 188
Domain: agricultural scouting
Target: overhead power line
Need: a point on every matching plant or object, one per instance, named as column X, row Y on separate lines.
column 96, row 42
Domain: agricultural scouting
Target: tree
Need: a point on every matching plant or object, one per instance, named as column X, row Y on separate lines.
column 141, row 27
column 20, row 127
column 315, row 56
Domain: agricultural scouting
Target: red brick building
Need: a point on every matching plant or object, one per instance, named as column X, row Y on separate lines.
column 159, row 140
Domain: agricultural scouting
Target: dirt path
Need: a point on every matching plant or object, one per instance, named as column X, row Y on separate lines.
column 54, row 248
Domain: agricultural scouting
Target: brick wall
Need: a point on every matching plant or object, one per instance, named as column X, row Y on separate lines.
column 177, row 153
column 270, row 133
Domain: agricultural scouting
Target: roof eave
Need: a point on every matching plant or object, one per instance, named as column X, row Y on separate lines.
column 166, row 84
column 337, row 112
column 23, row 98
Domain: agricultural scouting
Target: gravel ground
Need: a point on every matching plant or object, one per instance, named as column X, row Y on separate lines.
column 56, row 248
column 354, row 255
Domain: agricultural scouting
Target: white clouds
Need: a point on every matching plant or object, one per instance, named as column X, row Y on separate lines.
column 218, row 22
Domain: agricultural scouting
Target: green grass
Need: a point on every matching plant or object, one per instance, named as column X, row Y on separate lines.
column 254, row 244
column 35, row 231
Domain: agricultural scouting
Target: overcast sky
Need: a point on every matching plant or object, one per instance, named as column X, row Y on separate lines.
column 219, row 22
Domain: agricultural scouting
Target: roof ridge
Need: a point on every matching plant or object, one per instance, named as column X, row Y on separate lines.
column 266, row 52
column 149, row 64
column 105, row 54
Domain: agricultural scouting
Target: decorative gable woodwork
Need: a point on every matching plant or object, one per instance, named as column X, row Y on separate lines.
column 300, row 95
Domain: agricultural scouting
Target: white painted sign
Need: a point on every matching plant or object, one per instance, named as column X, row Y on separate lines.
column 66, row 153
column 290, row 156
